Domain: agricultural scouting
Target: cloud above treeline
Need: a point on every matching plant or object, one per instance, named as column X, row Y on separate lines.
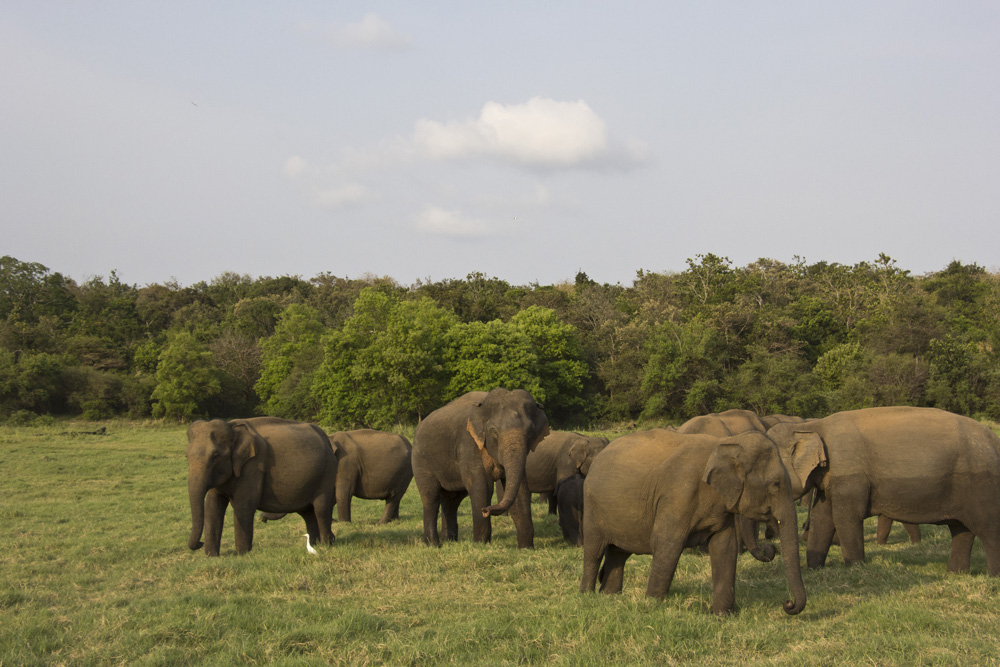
column 528, row 139
column 371, row 32
column 541, row 132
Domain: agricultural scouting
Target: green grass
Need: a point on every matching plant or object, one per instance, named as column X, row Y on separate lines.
column 94, row 569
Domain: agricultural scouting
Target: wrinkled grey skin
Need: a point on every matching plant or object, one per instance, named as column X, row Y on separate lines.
column 883, row 528
column 725, row 423
column 371, row 465
column 569, row 496
column 770, row 420
column 264, row 463
column 918, row 465
column 657, row 492
column 559, row 455
column 464, row 448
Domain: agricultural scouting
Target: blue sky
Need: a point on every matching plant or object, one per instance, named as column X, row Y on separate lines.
column 523, row 140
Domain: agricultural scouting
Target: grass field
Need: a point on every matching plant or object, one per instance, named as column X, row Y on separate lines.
column 95, row 569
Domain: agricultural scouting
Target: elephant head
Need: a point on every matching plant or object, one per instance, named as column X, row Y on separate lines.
column 506, row 425
column 748, row 474
column 580, row 455
column 216, row 452
column 802, row 450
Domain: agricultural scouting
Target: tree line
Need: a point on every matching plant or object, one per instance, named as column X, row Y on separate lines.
column 798, row 338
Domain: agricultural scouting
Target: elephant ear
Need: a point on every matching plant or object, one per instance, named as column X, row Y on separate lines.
column 541, row 428
column 475, row 433
column 578, row 456
column 807, row 454
column 244, row 447
column 726, row 474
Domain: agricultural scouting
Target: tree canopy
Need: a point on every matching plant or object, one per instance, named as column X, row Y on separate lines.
column 799, row 338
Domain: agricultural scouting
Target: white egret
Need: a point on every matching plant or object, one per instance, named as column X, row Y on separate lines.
column 309, row 547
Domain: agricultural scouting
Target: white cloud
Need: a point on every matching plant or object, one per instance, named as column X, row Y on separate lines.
column 371, row 32
column 348, row 195
column 541, row 132
column 295, row 166
column 438, row 221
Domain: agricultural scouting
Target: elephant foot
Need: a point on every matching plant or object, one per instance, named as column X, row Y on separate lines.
column 815, row 560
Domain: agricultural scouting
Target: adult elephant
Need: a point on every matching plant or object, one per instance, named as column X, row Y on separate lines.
column 657, row 492
column 918, row 465
column 777, row 418
column 371, row 465
column 561, row 454
column 264, row 463
column 725, row 423
column 465, row 447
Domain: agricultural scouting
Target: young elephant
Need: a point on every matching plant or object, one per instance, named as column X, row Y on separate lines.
column 372, row 465
column 559, row 455
column 657, row 492
column 569, row 497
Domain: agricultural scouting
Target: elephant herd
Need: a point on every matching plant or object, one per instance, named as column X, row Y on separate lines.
column 704, row 484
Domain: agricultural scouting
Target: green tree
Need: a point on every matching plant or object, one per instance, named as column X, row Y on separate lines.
column 486, row 355
column 186, row 379
column 560, row 367
column 386, row 364
column 683, row 376
column 288, row 363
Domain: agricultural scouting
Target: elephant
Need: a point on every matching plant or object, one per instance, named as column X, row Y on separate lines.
column 917, row 465
column 372, row 465
column 569, row 496
column 265, row 463
column 464, row 447
column 770, row 420
column 657, row 492
column 560, row 455
column 725, row 423
column 883, row 528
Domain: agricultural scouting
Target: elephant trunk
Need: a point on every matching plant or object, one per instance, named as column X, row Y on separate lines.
column 747, row 529
column 513, row 451
column 788, row 534
column 197, row 488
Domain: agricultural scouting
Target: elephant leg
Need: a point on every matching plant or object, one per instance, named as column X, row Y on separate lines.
column 391, row 512
column 913, row 530
column 215, row 515
column 482, row 527
column 553, row 502
column 722, row 547
column 666, row 553
column 430, row 498
column 882, row 532
column 312, row 525
column 820, row 531
column 592, row 555
column 322, row 522
column 520, row 512
column 449, row 514
column 612, row 573
column 991, row 543
column 345, row 491
column 849, row 524
column 962, row 538
column 243, row 524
